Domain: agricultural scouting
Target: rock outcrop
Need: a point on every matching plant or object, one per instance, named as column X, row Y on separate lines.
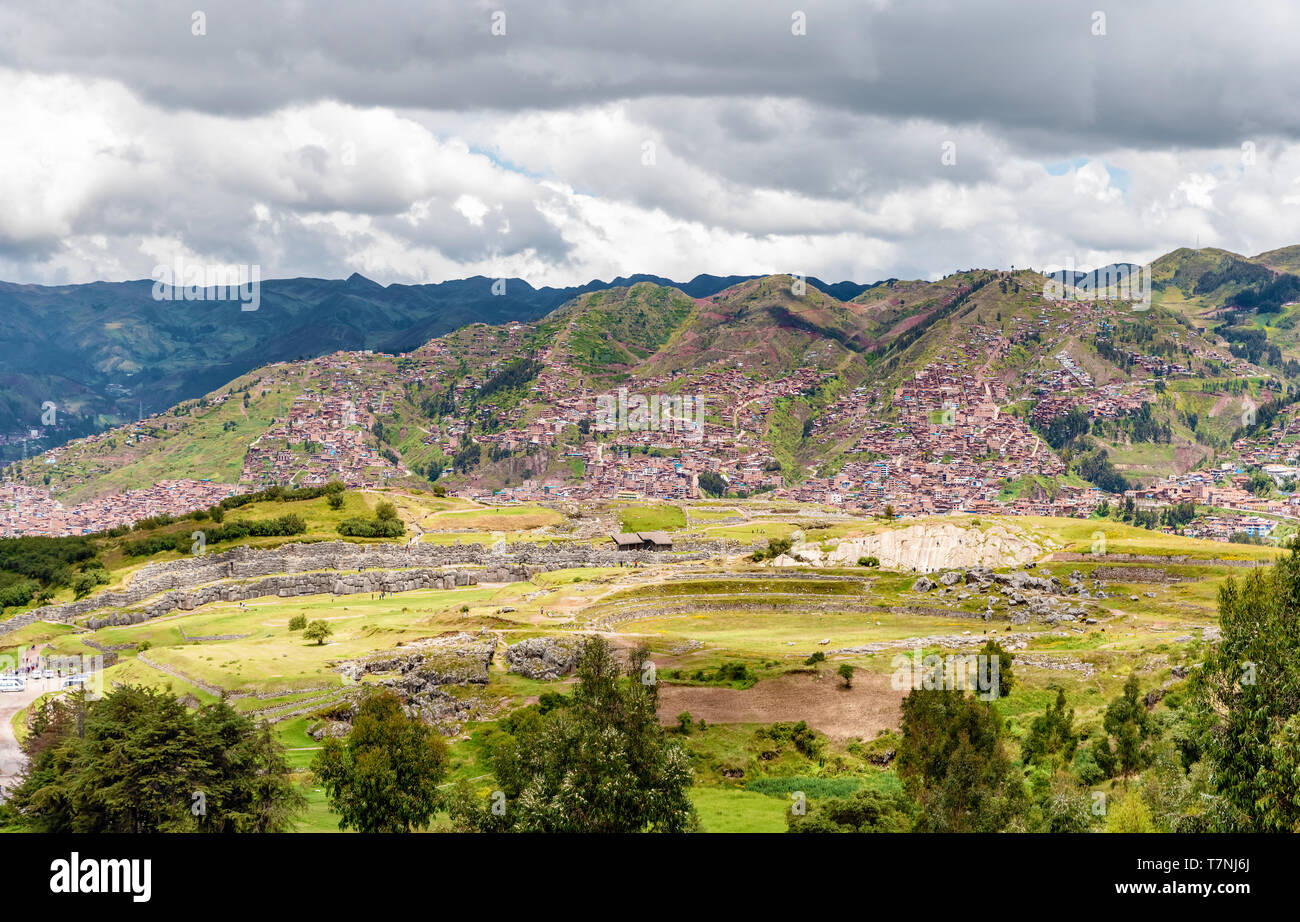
column 925, row 548
column 542, row 657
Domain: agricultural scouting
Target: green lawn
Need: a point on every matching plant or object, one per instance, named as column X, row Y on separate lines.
column 652, row 518
column 733, row 810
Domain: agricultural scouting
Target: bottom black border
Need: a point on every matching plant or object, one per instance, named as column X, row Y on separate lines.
column 337, row 872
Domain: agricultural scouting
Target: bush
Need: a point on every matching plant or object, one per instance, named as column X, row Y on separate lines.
column 863, row 811
column 85, row 582
column 551, row 701
column 817, row 657
column 871, row 561
column 775, row 548
column 18, row 594
column 47, row 561
column 371, row 528
column 803, row 738
column 283, row 526
column 298, row 623
column 334, row 500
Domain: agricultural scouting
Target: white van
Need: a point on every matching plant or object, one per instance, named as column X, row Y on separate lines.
column 12, row 684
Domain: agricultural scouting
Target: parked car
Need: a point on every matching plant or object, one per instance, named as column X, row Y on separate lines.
column 9, row 684
column 74, row 681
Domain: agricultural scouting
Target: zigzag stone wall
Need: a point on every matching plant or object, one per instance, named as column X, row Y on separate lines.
column 288, row 585
column 245, row 563
column 327, row 566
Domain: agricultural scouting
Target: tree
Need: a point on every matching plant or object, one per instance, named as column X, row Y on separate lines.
column 83, row 584
column 1005, row 679
column 386, row 512
column 137, row 760
column 953, row 765
column 775, row 548
column 1247, row 696
column 317, row 631
column 603, row 763
column 334, row 500
column 845, row 672
column 1063, row 805
column 1129, row 815
column 712, row 484
column 1051, row 737
column 298, row 623
column 385, row 777
column 1128, row 724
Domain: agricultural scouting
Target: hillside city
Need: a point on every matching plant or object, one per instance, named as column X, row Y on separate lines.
column 953, row 436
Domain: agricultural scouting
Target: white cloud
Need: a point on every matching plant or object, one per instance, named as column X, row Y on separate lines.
column 104, row 173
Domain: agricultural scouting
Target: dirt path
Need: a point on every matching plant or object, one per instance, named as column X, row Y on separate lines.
column 860, row 712
column 12, row 760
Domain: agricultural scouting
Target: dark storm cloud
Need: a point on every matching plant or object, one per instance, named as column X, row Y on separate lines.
column 1168, row 72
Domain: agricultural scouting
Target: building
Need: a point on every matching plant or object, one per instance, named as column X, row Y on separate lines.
column 643, row 541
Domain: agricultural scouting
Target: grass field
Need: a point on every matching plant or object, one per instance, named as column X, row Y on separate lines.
column 726, row 616
column 652, row 518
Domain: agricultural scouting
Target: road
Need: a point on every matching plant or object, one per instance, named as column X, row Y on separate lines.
column 11, row 757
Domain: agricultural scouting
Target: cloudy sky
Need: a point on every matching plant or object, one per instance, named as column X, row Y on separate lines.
column 565, row 140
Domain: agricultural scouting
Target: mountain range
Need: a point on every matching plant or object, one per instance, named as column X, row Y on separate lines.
column 798, row 369
column 106, row 352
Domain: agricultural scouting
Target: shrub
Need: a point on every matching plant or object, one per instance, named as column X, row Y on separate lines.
column 800, row 735
column 371, row 528
column 298, row 623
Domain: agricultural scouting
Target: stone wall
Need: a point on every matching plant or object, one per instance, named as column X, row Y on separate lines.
column 246, row 563
column 319, row 583
column 341, row 567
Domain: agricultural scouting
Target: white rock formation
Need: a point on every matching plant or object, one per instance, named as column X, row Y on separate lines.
column 926, row 548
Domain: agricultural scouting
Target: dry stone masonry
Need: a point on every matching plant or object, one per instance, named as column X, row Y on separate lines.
column 337, row 567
